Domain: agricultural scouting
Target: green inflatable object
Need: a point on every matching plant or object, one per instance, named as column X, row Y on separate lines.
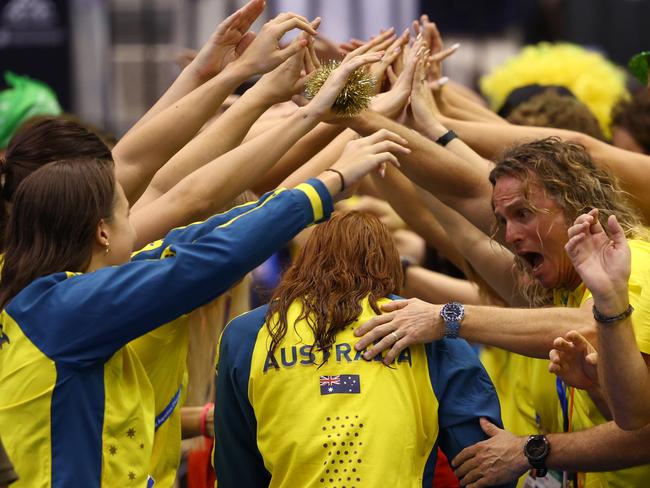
column 24, row 99
column 639, row 64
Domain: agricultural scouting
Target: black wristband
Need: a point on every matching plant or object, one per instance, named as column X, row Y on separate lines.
column 604, row 319
column 446, row 138
column 340, row 176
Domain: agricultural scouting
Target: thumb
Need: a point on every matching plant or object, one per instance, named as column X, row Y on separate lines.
column 488, row 427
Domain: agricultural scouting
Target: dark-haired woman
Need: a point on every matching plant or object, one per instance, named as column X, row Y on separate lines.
column 298, row 406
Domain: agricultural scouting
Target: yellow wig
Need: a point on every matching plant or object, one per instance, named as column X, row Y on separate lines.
column 594, row 80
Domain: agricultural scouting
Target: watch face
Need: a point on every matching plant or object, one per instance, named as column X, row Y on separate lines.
column 536, row 448
column 452, row 312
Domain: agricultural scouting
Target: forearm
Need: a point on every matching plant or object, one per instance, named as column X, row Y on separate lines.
column 456, row 182
column 492, row 261
column 529, row 332
column 187, row 81
column 624, row 374
column 438, row 288
column 226, row 133
column 454, row 100
column 402, row 195
column 602, row 448
column 299, row 153
column 141, row 153
column 207, row 189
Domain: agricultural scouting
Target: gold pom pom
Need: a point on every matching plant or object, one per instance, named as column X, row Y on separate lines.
column 356, row 94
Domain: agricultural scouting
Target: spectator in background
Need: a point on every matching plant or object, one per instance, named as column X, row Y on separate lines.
column 631, row 123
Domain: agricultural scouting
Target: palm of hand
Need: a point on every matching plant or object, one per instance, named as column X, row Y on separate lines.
column 601, row 264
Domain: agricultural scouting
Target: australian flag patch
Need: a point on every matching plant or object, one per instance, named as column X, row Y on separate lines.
column 343, row 383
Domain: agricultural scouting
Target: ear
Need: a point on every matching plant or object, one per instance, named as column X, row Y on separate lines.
column 102, row 234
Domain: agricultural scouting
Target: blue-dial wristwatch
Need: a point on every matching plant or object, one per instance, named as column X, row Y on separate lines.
column 452, row 313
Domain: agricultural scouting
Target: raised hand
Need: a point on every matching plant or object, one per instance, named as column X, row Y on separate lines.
column 393, row 49
column 320, row 106
column 392, row 103
column 264, row 52
column 367, row 154
column 574, row 360
column 602, row 261
column 283, row 82
column 228, row 42
column 429, row 32
column 423, row 105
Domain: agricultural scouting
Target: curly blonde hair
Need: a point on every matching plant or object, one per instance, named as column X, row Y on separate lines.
column 569, row 177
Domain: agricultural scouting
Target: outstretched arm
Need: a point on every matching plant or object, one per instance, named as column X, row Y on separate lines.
column 603, row 261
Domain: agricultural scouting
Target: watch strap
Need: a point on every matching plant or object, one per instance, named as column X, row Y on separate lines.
column 452, row 329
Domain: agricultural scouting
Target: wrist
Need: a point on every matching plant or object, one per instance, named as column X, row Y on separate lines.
column 308, row 115
column 237, row 71
column 205, row 411
column 613, row 303
column 435, row 130
column 332, row 182
column 257, row 100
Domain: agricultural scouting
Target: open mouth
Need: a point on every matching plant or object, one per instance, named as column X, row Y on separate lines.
column 533, row 259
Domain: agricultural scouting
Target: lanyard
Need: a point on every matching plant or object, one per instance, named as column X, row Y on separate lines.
column 566, row 403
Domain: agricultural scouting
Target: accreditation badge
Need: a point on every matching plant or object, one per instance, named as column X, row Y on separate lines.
column 553, row 479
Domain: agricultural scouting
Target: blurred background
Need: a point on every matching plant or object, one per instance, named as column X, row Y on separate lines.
column 109, row 60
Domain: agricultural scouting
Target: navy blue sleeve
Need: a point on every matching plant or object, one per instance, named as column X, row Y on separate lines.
column 88, row 317
column 465, row 393
column 191, row 232
column 237, row 461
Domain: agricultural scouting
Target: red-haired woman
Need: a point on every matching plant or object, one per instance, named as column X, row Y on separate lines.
column 298, row 406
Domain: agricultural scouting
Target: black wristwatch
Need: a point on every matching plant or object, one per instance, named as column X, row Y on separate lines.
column 536, row 450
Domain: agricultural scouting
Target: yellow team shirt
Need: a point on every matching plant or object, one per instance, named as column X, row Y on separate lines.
column 312, row 418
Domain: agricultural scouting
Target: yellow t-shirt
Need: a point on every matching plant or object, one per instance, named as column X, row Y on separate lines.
column 586, row 414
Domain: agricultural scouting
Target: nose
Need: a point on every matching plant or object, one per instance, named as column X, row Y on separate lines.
column 512, row 233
